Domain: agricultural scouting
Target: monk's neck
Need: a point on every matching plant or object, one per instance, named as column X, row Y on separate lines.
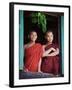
column 32, row 43
column 49, row 43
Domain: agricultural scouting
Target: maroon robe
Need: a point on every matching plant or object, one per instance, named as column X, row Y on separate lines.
column 50, row 64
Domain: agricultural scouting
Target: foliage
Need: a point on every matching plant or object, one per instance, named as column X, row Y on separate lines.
column 39, row 18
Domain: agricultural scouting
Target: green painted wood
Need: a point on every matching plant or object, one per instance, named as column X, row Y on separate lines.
column 62, row 42
column 21, row 40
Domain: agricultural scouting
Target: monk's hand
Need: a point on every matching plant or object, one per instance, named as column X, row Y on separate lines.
column 26, row 70
column 39, row 71
column 53, row 49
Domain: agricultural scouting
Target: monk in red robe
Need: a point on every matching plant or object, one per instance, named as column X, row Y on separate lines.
column 33, row 53
column 50, row 64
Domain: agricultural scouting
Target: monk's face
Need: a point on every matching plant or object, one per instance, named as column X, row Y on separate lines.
column 33, row 36
column 49, row 37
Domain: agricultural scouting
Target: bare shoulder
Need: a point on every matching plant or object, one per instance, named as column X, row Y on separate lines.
column 25, row 46
column 43, row 46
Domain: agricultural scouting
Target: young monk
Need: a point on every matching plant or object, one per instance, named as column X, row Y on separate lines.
column 33, row 54
column 50, row 64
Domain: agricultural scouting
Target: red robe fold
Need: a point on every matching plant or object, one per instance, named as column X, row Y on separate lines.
column 50, row 64
column 32, row 57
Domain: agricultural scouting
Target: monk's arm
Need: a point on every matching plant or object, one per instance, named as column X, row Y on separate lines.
column 39, row 66
column 45, row 53
column 54, row 53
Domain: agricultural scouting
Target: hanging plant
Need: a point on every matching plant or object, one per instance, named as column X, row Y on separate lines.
column 40, row 19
